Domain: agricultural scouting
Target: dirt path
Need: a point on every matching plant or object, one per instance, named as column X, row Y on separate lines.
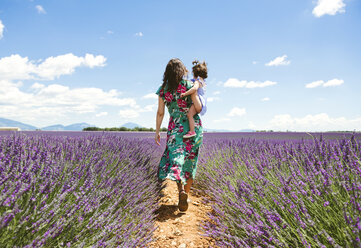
column 180, row 229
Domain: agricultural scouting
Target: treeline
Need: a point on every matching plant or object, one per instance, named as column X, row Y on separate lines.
column 124, row 129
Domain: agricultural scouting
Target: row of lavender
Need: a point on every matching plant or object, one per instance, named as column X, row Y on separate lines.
column 83, row 191
column 283, row 193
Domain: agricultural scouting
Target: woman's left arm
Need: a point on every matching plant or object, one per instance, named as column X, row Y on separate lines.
column 159, row 119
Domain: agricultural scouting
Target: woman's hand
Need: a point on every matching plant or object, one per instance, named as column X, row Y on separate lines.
column 157, row 138
column 183, row 95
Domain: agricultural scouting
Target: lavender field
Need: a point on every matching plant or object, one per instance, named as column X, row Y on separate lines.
column 75, row 190
column 85, row 189
column 283, row 191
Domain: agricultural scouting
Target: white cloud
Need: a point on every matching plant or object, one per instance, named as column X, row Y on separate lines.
column 40, row 9
column 1, row 30
column 222, row 120
column 318, row 122
column 37, row 86
column 128, row 113
column 265, row 99
column 110, row 32
column 216, row 93
column 329, row 7
column 101, row 114
column 329, row 83
column 282, row 60
column 54, row 101
column 235, row 83
column 237, row 112
column 139, row 34
column 254, row 62
column 315, row 84
column 148, row 108
column 212, row 99
column 16, row 67
column 333, row 82
column 150, row 96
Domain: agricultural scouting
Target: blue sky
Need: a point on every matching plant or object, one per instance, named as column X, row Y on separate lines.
column 281, row 65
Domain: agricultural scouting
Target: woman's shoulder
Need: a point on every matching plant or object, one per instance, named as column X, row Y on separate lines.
column 160, row 91
column 187, row 83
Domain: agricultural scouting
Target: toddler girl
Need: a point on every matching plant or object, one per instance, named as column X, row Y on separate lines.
column 197, row 92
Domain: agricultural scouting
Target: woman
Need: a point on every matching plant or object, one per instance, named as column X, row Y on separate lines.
column 179, row 160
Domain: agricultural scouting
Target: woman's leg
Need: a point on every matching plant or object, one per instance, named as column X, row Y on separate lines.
column 180, row 187
column 183, row 195
column 190, row 114
column 188, row 186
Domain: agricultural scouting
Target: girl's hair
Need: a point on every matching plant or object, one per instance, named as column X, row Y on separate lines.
column 173, row 74
column 200, row 69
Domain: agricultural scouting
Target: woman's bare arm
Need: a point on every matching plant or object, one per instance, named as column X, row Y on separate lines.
column 191, row 90
column 159, row 119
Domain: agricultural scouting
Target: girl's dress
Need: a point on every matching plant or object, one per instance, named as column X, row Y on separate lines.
column 180, row 158
column 202, row 97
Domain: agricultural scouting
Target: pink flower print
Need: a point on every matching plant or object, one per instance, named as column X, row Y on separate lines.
column 171, row 126
column 189, row 147
column 176, row 172
column 182, row 103
column 168, row 97
column 167, row 154
column 187, row 141
column 181, row 89
column 179, row 150
column 181, row 129
column 200, row 122
column 192, row 155
column 161, row 92
column 187, row 174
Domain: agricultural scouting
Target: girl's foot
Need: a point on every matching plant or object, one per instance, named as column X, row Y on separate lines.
column 189, row 135
column 183, row 203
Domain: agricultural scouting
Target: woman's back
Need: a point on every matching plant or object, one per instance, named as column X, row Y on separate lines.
column 177, row 106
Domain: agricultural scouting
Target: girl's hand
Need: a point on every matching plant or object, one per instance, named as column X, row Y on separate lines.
column 183, row 95
column 157, row 138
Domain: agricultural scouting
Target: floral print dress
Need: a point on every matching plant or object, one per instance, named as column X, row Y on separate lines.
column 179, row 160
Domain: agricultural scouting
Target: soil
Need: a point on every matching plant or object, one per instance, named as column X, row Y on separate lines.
column 180, row 229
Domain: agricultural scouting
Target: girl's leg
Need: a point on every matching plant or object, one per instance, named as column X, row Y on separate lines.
column 190, row 114
column 194, row 109
column 196, row 102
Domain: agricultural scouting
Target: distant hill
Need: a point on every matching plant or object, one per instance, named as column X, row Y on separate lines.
column 25, row 127
column 10, row 123
column 72, row 127
column 130, row 125
column 54, row 128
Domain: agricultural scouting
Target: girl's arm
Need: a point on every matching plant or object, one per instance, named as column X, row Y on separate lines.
column 191, row 90
column 159, row 119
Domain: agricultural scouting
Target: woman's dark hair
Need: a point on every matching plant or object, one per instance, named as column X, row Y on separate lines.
column 200, row 69
column 173, row 74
